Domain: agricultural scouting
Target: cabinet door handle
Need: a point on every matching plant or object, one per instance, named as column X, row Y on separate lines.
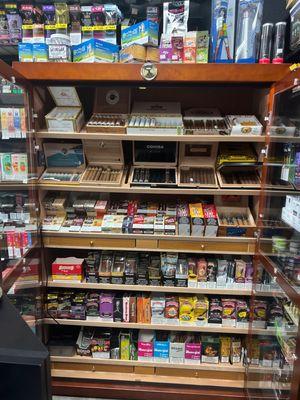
column 91, row 243
column 202, row 246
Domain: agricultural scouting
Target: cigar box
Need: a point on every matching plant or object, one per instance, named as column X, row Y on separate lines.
column 105, row 163
column 110, row 111
column 154, row 164
column 197, row 165
column 235, row 221
column 204, row 121
column 239, row 176
column 68, row 115
column 66, row 157
column 150, row 118
column 282, row 126
column 244, row 125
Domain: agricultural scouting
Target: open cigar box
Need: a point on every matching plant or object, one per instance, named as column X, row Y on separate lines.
column 197, row 165
column 204, row 121
column 154, row 164
column 150, row 118
column 235, row 221
column 110, row 113
column 105, row 163
column 66, row 157
column 68, row 115
column 238, row 166
column 244, row 125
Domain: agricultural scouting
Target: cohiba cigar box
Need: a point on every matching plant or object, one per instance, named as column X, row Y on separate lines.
column 110, row 112
column 154, row 164
column 105, row 162
column 150, row 118
column 68, row 115
column 235, row 221
column 204, row 121
column 197, row 165
column 66, row 157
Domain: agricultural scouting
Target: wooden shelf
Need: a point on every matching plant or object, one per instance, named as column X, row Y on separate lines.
column 169, row 73
column 161, row 327
column 201, row 366
column 158, row 243
column 160, row 289
column 44, row 134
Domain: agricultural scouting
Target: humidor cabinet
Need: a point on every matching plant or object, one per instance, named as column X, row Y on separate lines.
column 99, row 84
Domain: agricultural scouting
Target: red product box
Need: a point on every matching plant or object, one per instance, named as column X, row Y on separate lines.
column 67, row 268
column 211, row 220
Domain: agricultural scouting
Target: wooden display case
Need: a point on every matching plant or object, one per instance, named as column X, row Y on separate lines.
column 105, row 163
column 94, row 377
column 197, row 165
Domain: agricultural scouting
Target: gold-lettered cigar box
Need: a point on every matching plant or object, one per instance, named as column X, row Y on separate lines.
column 197, row 165
column 68, row 115
column 65, row 163
column 154, row 164
column 105, row 161
column 204, row 121
column 110, row 112
column 150, row 118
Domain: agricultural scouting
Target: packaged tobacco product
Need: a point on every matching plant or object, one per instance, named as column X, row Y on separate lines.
column 210, row 349
column 75, row 24
column 83, row 344
column 86, row 23
column 201, row 310
column 38, row 34
column 192, row 273
column 100, row 345
column 275, row 313
column 228, row 312
column 132, row 309
column 172, row 309
column 4, row 35
column 14, row 22
column 236, row 350
column 49, row 21
column 225, row 348
column 215, row 312
column 186, row 309
column 61, row 18
column 181, row 276
column 202, row 272
column 240, row 271
column 130, row 271
column 259, row 313
column 242, row 313
column 118, row 309
column 211, row 273
column 176, row 14
column 27, row 14
column 158, row 304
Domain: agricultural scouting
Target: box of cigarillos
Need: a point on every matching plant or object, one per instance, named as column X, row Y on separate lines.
column 211, row 220
column 66, row 157
column 197, row 219
column 68, row 115
column 161, row 118
column 235, row 221
column 67, row 269
column 132, row 54
column 105, row 163
column 197, row 165
column 145, row 33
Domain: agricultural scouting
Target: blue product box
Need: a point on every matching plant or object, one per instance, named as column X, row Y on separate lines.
column 25, row 52
column 94, row 50
column 250, row 13
column 40, row 52
column 222, row 31
column 145, row 33
column 161, row 350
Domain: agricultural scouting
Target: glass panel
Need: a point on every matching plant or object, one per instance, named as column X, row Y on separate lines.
column 20, row 270
column 272, row 359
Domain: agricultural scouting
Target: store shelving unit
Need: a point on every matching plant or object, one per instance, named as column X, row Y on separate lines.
column 133, row 378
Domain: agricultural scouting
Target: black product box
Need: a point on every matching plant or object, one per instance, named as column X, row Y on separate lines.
column 118, row 309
